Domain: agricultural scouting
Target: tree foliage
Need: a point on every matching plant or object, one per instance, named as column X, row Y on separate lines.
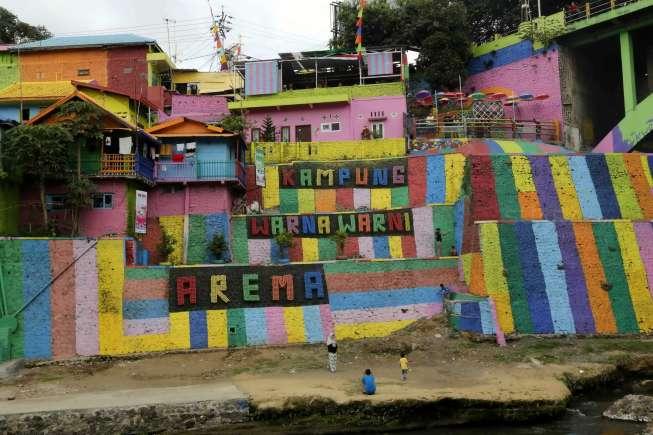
column 437, row 28
column 12, row 30
column 268, row 131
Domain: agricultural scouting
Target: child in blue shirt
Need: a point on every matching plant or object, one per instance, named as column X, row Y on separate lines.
column 369, row 384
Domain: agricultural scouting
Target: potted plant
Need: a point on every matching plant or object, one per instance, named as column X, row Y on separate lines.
column 285, row 241
column 166, row 248
column 218, row 247
column 339, row 238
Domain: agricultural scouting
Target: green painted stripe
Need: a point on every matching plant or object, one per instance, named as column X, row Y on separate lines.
column 610, row 253
column 326, row 249
column 288, row 202
column 400, row 197
column 197, row 244
column 12, row 279
column 529, row 147
column 131, row 209
column 239, row 246
column 236, row 327
column 505, row 186
column 151, row 272
column 389, row 266
column 512, row 264
column 444, row 218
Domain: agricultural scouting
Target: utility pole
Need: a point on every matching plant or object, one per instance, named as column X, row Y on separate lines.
column 335, row 24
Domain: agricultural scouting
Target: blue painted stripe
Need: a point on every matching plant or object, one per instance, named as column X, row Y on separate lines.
column 494, row 147
column 459, row 224
column 381, row 247
column 600, row 174
column 199, row 337
column 487, row 320
column 37, row 317
column 435, row 182
column 217, row 224
column 313, row 324
column 275, row 251
column 384, row 298
column 501, row 57
column 145, row 309
column 470, row 317
column 589, row 202
column 650, row 164
column 546, row 240
column 538, row 302
column 255, row 326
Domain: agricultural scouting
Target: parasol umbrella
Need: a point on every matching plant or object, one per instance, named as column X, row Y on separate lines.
column 541, row 97
column 526, row 97
column 477, row 96
column 497, row 96
column 422, row 94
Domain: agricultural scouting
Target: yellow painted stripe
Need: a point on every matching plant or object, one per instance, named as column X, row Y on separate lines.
column 467, row 268
column 626, row 196
column 647, row 170
column 216, row 325
column 380, row 199
column 521, row 171
column 310, row 249
column 510, row 146
column 294, row 320
column 454, row 171
column 495, row 281
column 180, row 330
column 565, row 187
column 306, row 200
column 111, row 280
column 271, row 189
column 396, row 251
column 174, row 226
column 635, row 275
column 371, row 329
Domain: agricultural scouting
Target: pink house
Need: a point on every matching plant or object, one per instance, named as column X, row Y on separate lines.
column 205, row 108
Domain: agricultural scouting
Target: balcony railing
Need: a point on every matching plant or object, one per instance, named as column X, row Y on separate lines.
column 119, row 165
column 194, row 170
column 587, row 10
column 546, row 131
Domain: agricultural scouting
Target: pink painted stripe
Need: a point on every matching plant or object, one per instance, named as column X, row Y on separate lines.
column 424, row 236
column 276, row 326
column 136, row 290
column 366, row 247
column 86, row 300
column 259, row 251
column 62, row 299
column 387, row 314
column 644, row 232
column 155, row 325
column 327, row 320
column 362, row 198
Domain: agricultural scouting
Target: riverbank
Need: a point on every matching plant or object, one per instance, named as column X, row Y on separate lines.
column 453, row 379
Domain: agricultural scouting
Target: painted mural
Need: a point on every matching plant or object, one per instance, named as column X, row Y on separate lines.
column 163, row 308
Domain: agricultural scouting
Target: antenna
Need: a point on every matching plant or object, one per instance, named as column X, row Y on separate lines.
column 335, row 23
column 174, row 32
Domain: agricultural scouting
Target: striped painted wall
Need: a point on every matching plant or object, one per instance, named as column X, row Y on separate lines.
column 570, row 277
column 306, row 249
column 587, row 187
column 433, row 179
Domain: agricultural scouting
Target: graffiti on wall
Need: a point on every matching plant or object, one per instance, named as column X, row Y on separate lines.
column 371, row 174
column 381, row 223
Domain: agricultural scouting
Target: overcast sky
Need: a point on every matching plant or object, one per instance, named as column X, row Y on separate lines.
column 267, row 27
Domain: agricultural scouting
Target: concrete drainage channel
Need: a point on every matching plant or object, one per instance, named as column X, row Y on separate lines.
column 141, row 411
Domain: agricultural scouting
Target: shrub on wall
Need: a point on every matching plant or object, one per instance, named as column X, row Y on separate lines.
column 166, row 247
column 218, row 246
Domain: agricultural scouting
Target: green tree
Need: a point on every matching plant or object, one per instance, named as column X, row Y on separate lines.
column 39, row 152
column 12, row 30
column 235, row 123
column 269, row 131
column 84, row 122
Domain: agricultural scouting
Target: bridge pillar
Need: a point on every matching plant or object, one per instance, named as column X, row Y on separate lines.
column 628, row 71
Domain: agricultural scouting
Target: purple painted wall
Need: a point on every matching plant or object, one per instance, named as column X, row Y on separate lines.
column 205, row 108
column 202, row 199
column 537, row 74
column 353, row 117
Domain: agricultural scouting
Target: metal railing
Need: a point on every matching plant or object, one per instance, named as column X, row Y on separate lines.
column 194, row 170
column 118, row 165
column 547, row 131
column 587, row 10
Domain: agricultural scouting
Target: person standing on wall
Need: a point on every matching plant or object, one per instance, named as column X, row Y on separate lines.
column 332, row 352
column 438, row 242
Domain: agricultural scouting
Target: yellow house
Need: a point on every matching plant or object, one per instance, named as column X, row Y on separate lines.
column 193, row 82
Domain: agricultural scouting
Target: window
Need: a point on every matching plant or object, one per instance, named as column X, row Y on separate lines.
column 127, row 70
column 40, row 75
column 193, row 88
column 103, row 200
column 285, row 134
column 330, row 126
column 256, row 135
column 84, row 72
column 24, row 115
column 55, row 201
column 377, row 130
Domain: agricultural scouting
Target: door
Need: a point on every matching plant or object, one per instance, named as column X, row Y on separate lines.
column 303, row 133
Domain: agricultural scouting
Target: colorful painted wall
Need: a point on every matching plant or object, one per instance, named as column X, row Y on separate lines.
column 517, row 69
column 433, row 179
column 9, row 208
column 205, row 108
column 570, row 187
column 100, row 307
column 8, row 68
column 569, row 277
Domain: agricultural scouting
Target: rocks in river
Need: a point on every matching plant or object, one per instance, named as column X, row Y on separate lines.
column 633, row 407
column 645, row 386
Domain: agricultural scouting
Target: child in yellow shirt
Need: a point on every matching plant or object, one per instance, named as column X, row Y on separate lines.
column 403, row 363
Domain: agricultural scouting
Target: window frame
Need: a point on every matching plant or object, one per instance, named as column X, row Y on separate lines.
column 285, row 128
column 378, row 123
column 104, row 196
column 52, row 205
column 83, row 72
column 258, row 135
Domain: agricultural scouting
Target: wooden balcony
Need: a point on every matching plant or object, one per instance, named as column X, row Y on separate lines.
column 119, row 165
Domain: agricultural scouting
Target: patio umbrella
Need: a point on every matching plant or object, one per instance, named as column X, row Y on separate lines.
column 477, row 96
column 541, row 97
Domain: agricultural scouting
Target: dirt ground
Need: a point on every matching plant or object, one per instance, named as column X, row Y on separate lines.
column 442, row 364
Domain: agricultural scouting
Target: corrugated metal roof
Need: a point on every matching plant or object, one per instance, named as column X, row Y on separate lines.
column 60, row 42
column 36, row 90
